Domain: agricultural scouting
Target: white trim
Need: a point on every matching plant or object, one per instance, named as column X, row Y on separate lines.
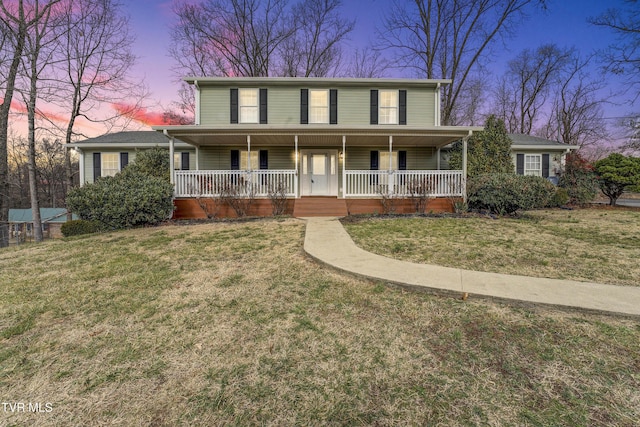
column 172, row 173
column 241, row 118
column 81, row 165
column 536, row 171
column 321, row 107
column 197, row 99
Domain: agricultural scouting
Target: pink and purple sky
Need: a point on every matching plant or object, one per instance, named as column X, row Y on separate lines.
column 564, row 23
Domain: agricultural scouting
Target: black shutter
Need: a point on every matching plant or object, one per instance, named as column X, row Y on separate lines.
column 374, row 107
column 184, row 161
column 235, row 160
column 304, row 106
column 97, row 164
column 124, row 160
column 545, row 166
column 333, row 106
column 375, row 160
column 402, row 101
column 402, row 160
column 263, row 106
column 520, row 164
column 264, row 159
column 234, row 105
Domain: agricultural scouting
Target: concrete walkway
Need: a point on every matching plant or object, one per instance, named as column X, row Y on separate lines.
column 327, row 241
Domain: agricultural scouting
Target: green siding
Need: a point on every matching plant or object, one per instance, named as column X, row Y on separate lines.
column 283, row 107
column 422, row 158
column 214, row 106
column 219, row 158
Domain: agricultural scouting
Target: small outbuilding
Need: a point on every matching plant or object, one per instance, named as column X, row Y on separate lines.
column 21, row 223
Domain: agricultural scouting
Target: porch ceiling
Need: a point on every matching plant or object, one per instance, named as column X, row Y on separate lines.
column 318, row 136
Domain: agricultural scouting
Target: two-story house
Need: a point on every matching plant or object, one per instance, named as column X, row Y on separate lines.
column 335, row 145
column 340, row 139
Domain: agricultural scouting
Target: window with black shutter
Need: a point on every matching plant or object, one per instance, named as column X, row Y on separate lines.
column 235, row 160
column 374, row 107
column 402, row 104
column 304, row 106
column 263, row 106
column 124, row 160
column 545, row 166
column 184, row 161
column 333, row 106
column 97, row 162
column 520, row 164
column 234, row 105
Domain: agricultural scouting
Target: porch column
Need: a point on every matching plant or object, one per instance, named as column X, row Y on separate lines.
column 391, row 183
column 344, row 167
column 249, row 152
column 197, row 158
column 464, row 166
column 80, row 164
column 172, row 173
column 295, row 177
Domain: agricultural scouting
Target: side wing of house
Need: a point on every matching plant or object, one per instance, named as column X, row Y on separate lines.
column 538, row 156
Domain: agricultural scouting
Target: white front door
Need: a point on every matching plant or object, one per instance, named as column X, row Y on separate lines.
column 319, row 173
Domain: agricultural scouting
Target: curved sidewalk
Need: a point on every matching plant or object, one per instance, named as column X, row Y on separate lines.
column 328, row 241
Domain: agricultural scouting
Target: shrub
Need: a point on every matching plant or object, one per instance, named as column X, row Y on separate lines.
column 507, row 193
column 616, row 173
column 152, row 162
column 128, row 199
column 560, row 198
column 78, row 227
column 579, row 179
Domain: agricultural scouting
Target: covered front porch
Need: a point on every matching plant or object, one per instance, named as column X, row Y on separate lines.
column 324, row 161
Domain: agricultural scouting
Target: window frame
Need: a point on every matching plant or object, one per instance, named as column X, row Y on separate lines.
column 383, row 117
column 314, row 108
column 109, row 171
column 532, row 160
column 243, row 109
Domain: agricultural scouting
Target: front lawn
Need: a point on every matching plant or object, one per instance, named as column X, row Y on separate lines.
column 231, row 324
column 599, row 244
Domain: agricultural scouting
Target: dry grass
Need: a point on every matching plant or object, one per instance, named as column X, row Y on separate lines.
column 600, row 245
column 230, row 324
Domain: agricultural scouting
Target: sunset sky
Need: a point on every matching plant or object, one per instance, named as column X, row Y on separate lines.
column 565, row 23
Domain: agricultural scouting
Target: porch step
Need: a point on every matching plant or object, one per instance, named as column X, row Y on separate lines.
column 319, row 206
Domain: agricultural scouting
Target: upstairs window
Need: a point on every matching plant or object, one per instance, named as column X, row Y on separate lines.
column 318, row 106
column 248, row 103
column 388, row 107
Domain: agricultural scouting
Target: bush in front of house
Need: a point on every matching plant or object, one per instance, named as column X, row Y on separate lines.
column 506, row 193
column 153, row 162
column 579, row 179
column 77, row 227
column 128, row 199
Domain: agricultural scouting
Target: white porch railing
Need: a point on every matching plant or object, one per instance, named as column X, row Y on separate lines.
column 208, row 183
column 436, row 183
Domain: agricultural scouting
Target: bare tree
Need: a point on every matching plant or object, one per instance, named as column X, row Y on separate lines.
column 36, row 59
column 315, row 48
column 448, row 38
column 259, row 38
column 367, row 63
column 16, row 20
column 577, row 115
column 623, row 57
column 522, row 91
column 95, row 58
column 230, row 38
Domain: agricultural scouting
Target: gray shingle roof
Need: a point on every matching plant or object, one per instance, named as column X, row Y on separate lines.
column 142, row 136
column 522, row 140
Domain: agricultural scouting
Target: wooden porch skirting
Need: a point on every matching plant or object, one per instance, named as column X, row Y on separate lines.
column 190, row 208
